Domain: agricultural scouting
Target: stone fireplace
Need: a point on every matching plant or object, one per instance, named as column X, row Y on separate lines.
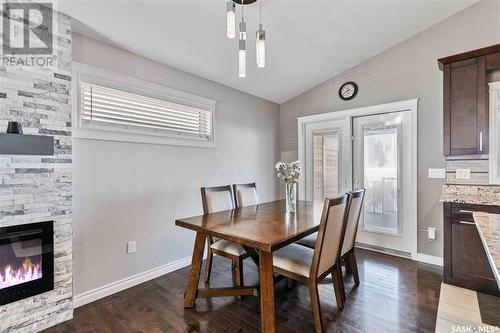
column 36, row 193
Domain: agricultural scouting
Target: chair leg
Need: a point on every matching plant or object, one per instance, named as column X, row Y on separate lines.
column 238, row 270
column 315, row 305
column 208, row 267
column 354, row 266
column 348, row 267
column 337, row 287
column 290, row 283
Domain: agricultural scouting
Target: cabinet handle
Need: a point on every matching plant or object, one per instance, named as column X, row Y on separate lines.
column 481, row 141
column 465, row 222
column 466, row 211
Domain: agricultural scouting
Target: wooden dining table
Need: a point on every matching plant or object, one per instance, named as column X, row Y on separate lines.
column 260, row 230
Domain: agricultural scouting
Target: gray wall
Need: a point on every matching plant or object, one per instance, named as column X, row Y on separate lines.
column 129, row 191
column 406, row 71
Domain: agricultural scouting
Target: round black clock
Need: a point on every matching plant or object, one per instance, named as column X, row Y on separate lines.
column 348, row 90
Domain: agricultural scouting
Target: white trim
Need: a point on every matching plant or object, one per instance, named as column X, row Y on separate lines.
column 131, row 84
column 410, row 105
column 114, row 287
column 428, row 259
column 494, row 173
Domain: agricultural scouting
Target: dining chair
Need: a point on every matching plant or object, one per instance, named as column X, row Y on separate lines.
column 216, row 199
column 245, row 194
column 347, row 255
column 303, row 264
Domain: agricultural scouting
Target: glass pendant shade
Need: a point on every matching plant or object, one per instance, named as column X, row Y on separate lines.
column 231, row 19
column 260, row 47
column 242, row 54
column 242, row 63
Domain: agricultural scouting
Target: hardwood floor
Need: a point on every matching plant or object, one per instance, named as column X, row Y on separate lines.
column 395, row 295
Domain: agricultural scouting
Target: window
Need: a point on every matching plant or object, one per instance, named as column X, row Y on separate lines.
column 140, row 111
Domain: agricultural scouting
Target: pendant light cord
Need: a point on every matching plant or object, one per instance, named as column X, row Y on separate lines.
column 260, row 13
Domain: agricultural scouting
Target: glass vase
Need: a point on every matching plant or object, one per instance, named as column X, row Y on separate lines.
column 291, row 197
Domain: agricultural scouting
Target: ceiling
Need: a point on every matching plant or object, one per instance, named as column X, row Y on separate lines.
column 308, row 41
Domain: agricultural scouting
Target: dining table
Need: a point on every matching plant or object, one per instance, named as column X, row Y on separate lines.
column 260, row 229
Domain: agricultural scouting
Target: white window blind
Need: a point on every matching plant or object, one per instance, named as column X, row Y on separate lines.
column 107, row 108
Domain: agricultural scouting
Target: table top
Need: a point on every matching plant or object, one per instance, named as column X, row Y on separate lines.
column 266, row 226
column 488, row 226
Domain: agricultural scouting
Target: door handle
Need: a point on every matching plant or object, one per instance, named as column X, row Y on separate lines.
column 481, row 141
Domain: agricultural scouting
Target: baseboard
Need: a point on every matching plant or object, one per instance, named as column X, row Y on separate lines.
column 383, row 250
column 114, row 287
column 421, row 257
column 428, row 259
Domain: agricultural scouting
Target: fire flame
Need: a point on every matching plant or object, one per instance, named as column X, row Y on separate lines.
column 28, row 272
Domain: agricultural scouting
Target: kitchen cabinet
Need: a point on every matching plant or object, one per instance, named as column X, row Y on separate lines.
column 465, row 100
column 465, row 262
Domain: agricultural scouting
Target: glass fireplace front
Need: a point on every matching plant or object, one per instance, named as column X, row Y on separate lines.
column 26, row 261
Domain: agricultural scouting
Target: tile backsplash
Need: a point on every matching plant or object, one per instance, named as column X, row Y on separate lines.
column 477, row 164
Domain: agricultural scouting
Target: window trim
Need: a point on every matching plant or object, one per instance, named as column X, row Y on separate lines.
column 113, row 80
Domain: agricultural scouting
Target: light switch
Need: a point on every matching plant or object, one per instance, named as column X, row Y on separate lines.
column 463, row 174
column 131, row 247
column 437, row 173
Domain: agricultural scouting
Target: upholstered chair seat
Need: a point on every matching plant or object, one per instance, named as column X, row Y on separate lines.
column 294, row 258
column 228, row 247
column 309, row 241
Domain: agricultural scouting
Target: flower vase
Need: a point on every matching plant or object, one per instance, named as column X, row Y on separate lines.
column 291, row 197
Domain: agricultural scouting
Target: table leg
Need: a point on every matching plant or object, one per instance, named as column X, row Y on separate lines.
column 194, row 274
column 266, row 292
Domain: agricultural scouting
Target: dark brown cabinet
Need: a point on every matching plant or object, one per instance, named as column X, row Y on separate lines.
column 465, row 100
column 465, row 116
column 465, row 261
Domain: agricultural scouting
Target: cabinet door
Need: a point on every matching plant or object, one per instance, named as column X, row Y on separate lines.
column 465, row 261
column 465, row 118
column 468, row 261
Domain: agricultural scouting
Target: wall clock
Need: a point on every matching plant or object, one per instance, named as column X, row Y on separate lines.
column 348, row 90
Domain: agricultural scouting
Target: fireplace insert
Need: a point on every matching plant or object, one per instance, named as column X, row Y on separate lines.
column 26, row 260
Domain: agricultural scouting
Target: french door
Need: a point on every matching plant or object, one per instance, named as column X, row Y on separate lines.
column 383, row 167
column 327, row 165
column 372, row 148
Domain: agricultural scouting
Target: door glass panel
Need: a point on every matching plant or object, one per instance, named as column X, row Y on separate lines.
column 326, row 159
column 381, row 179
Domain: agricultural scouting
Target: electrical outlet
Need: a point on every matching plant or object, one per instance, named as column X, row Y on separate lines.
column 463, row 174
column 431, row 233
column 437, row 173
column 131, row 247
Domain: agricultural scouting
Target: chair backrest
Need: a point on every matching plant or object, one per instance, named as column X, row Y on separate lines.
column 217, row 198
column 353, row 216
column 330, row 235
column 245, row 194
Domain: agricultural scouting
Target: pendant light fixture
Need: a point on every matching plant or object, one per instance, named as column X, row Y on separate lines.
column 231, row 19
column 242, row 53
column 260, row 42
column 260, row 35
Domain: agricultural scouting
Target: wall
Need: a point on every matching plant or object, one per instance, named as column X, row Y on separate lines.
column 129, row 191
column 39, row 188
column 406, row 71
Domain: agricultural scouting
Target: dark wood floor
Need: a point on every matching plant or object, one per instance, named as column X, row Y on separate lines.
column 395, row 295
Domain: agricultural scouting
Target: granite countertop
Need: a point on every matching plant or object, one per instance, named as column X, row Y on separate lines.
column 488, row 226
column 471, row 194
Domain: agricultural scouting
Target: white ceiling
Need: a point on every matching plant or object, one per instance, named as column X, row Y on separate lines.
column 308, row 41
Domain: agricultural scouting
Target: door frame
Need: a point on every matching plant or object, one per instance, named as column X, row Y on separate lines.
column 348, row 114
